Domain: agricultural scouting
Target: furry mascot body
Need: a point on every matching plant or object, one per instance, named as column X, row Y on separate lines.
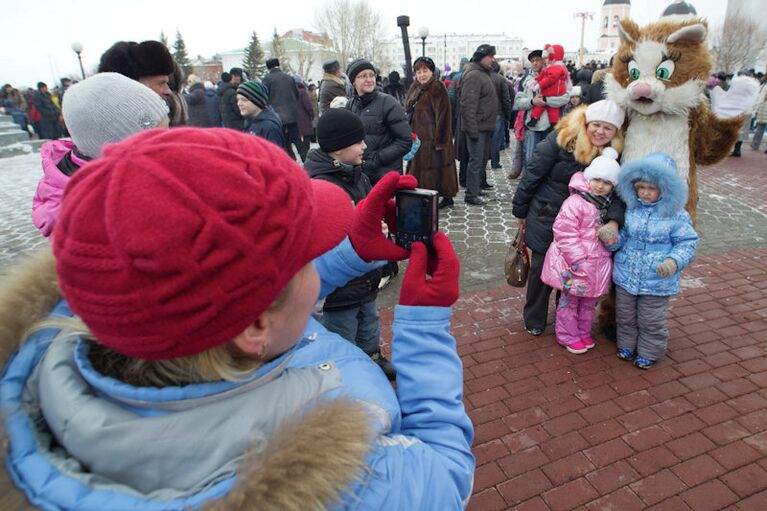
column 658, row 78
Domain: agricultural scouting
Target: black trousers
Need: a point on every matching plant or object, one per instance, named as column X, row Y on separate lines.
column 538, row 294
column 292, row 136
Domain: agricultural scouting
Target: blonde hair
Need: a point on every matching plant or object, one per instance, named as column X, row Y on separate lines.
column 572, row 137
column 222, row 362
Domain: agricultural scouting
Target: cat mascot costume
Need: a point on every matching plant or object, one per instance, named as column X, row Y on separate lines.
column 658, row 77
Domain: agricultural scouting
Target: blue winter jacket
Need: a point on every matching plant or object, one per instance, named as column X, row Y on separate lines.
column 267, row 125
column 653, row 232
column 193, row 436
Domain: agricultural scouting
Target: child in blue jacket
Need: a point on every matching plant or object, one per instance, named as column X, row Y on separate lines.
column 657, row 241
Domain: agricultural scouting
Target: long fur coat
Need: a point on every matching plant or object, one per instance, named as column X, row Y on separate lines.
column 433, row 164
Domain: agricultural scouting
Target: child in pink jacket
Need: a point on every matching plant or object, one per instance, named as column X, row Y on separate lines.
column 102, row 109
column 577, row 263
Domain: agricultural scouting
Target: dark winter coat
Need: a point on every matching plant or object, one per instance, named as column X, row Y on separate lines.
column 230, row 113
column 211, row 102
column 283, row 95
column 45, row 105
column 502, row 93
column 395, row 88
column 356, row 184
column 387, row 133
column 545, row 186
column 267, row 125
column 433, row 164
column 478, row 100
column 331, row 87
column 597, row 87
column 583, row 80
column 305, row 112
column 197, row 107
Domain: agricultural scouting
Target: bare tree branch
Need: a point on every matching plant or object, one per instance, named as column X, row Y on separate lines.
column 354, row 28
column 738, row 42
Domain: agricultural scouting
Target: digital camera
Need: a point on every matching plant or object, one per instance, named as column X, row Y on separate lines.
column 417, row 216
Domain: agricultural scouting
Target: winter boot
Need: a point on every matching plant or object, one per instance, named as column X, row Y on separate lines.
column 386, row 366
column 736, row 151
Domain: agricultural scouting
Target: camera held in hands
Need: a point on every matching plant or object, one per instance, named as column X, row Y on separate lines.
column 417, row 216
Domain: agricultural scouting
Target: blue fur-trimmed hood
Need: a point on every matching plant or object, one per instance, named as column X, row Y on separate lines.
column 660, row 169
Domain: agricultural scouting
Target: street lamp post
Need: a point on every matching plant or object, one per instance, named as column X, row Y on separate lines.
column 581, row 49
column 403, row 22
column 423, row 33
column 78, row 48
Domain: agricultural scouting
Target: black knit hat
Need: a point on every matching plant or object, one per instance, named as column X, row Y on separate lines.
column 255, row 92
column 339, row 128
column 136, row 60
column 358, row 66
column 533, row 54
column 425, row 61
column 272, row 63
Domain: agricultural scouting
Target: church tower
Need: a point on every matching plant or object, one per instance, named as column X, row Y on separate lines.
column 612, row 12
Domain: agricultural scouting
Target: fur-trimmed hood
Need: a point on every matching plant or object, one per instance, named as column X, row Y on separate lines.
column 310, row 460
column 660, row 169
column 572, row 137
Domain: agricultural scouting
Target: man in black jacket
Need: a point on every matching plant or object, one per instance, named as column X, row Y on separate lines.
column 227, row 91
column 387, row 132
column 478, row 113
column 283, row 97
column 350, row 311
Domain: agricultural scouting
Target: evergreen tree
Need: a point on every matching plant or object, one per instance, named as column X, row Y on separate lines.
column 278, row 52
column 164, row 39
column 253, row 60
column 180, row 55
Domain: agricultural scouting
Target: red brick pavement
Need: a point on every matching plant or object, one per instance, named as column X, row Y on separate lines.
column 743, row 177
column 555, row 431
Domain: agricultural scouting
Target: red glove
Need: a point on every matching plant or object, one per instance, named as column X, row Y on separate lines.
column 366, row 236
column 442, row 289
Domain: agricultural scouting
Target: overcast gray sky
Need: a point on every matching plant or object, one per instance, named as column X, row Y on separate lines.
column 36, row 36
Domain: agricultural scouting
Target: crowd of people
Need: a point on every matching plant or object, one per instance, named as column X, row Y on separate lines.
column 202, row 328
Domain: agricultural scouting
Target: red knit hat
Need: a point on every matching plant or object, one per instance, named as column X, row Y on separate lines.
column 174, row 241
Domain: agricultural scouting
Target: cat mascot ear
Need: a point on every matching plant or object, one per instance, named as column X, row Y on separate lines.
column 628, row 31
column 693, row 33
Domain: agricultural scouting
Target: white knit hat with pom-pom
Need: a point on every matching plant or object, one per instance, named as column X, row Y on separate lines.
column 604, row 167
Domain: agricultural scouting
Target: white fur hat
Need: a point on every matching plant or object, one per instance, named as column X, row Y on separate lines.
column 575, row 91
column 604, row 167
column 606, row 111
column 339, row 102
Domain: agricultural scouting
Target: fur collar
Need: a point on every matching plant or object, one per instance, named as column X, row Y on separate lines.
column 309, row 464
column 333, row 78
column 571, row 136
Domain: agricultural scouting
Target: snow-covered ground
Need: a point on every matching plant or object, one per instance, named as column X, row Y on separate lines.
column 18, row 179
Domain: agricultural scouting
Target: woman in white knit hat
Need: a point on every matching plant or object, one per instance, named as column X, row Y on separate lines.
column 577, row 263
column 576, row 141
column 105, row 108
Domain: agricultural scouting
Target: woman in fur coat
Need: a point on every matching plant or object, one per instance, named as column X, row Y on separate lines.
column 577, row 140
column 428, row 108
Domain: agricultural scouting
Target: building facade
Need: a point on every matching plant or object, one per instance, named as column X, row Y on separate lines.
column 612, row 12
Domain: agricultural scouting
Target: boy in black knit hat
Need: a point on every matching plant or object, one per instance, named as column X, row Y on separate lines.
column 260, row 118
column 350, row 311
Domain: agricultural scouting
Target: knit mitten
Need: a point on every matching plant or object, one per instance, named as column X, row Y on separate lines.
column 442, row 289
column 366, row 235
column 667, row 268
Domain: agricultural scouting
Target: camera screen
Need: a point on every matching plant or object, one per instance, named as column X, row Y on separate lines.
column 410, row 218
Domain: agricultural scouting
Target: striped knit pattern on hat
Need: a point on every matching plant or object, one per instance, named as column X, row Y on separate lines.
column 255, row 92
column 109, row 107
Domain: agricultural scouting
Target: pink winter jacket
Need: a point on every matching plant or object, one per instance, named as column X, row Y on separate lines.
column 576, row 242
column 46, row 203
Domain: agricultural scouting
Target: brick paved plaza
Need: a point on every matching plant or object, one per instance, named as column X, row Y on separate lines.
column 559, row 431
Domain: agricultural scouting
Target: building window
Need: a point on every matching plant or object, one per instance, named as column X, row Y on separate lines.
column 615, row 21
column 606, row 23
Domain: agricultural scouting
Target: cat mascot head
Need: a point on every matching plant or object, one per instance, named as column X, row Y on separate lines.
column 660, row 68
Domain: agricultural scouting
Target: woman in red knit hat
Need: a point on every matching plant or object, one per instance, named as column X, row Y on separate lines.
column 183, row 368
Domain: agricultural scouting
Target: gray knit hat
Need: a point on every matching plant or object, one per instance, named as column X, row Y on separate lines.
column 109, row 107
